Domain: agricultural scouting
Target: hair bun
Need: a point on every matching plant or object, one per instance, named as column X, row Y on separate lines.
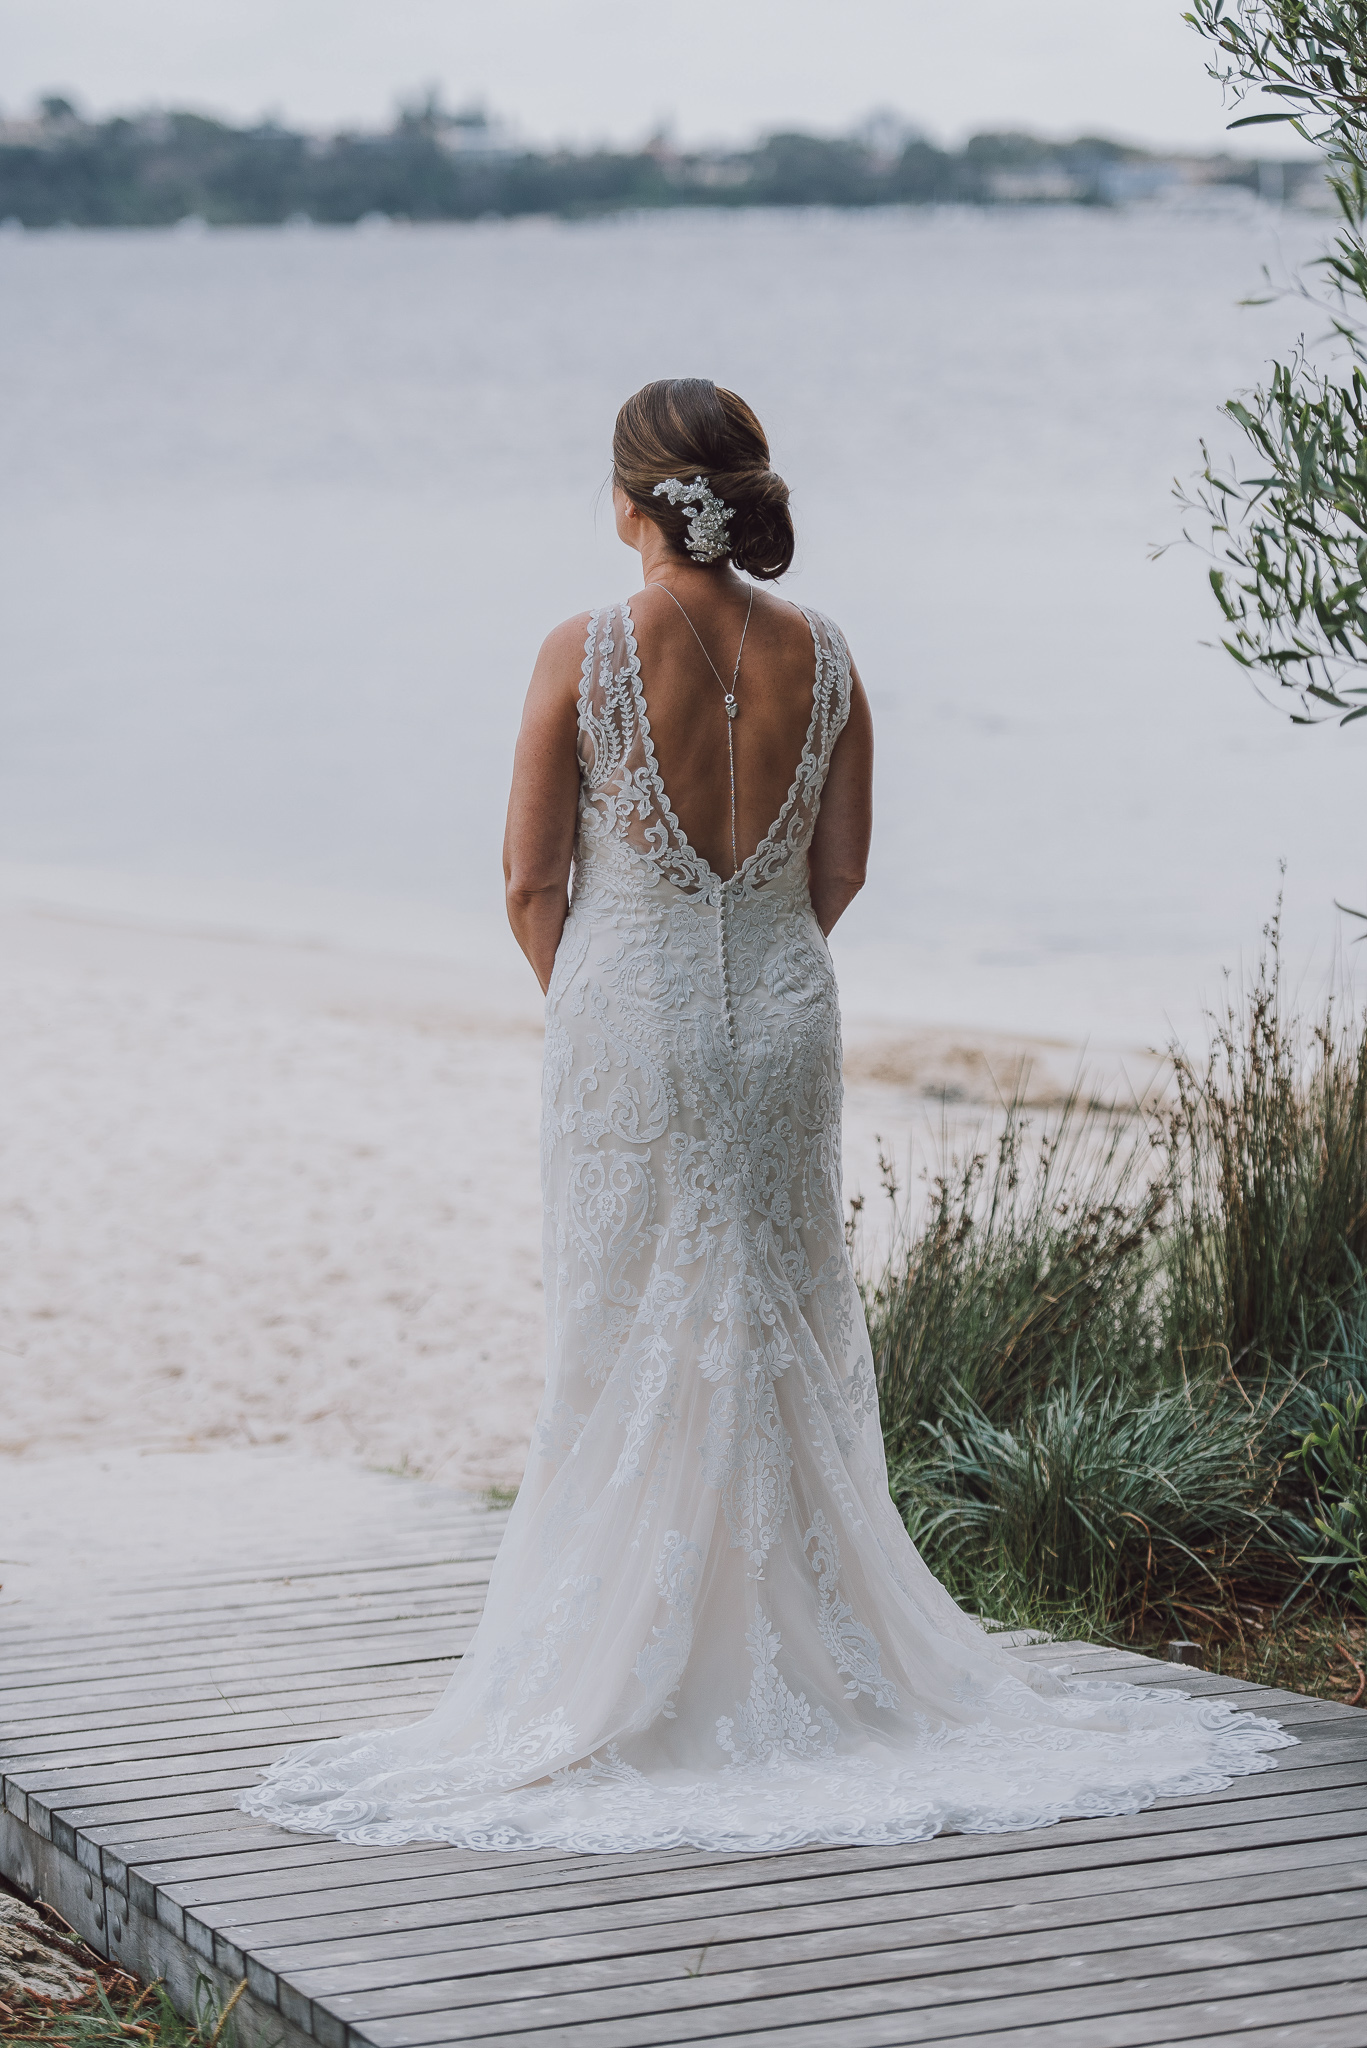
column 762, row 537
column 688, row 426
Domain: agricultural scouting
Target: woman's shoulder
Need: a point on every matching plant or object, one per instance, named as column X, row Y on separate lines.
column 569, row 652
column 573, row 636
column 569, row 636
column 824, row 630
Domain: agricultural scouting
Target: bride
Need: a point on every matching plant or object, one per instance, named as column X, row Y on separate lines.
column 707, row 1623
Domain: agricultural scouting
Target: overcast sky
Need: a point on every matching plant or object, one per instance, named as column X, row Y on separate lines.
column 613, row 69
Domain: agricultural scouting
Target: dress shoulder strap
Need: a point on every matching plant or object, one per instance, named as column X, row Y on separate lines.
column 609, row 728
column 832, row 706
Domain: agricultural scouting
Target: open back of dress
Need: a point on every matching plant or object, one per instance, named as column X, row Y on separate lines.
column 707, row 1623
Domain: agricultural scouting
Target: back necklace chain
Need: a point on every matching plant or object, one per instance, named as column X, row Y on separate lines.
column 728, row 698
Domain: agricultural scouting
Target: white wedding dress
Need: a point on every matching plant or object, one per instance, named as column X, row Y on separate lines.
column 706, row 1623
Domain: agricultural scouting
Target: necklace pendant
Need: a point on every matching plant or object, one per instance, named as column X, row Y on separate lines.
column 731, row 707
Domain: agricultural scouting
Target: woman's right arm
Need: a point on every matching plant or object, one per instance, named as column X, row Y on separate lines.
column 839, row 854
column 543, row 806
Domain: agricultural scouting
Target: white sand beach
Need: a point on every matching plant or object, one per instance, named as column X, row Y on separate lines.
column 271, row 1195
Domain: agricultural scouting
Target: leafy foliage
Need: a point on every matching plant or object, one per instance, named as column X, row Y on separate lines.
column 1288, row 520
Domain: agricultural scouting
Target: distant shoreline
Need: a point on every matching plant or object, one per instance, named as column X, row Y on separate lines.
column 165, row 168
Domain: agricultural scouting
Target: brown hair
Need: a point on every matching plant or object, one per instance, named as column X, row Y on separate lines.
column 687, row 427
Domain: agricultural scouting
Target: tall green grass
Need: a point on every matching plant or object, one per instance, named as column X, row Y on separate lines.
column 1267, row 1176
column 1105, row 1344
column 1032, row 1261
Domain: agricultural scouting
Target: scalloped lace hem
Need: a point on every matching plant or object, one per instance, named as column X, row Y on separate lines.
column 965, row 1781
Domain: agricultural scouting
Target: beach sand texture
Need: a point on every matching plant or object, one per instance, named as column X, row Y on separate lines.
column 270, row 1195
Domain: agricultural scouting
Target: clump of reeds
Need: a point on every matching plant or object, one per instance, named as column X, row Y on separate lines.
column 1033, row 1260
column 1267, row 1177
column 1111, row 1353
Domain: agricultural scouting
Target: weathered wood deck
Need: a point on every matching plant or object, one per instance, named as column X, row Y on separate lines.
column 1238, row 1917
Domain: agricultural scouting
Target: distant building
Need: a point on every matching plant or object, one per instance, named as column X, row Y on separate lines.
column 471, row 132
column 53, row 121
column 1045, row 184
column 885, row 134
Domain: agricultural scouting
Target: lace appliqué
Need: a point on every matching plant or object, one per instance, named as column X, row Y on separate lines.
column 853, row 1647
column 774, row 1724
column 661, row 1663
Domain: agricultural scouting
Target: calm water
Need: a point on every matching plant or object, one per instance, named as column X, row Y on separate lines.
column 286, row 515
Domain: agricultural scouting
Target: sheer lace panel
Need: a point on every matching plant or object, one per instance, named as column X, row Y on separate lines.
column 624, row 797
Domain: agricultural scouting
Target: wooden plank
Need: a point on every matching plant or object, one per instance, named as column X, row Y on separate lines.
column 928, row 2008
column 259, row 1907
column 429, row 1557
column 211, row 1705
column 207, row 1646
column 318, row 1915
column 1330, row 2017
column 346, row 1685
column 263, row 1680
column 273, row 1901
column 315, row 1597
column 200, row 1635
column 259, row 1603
column 752, row 1909
column 957, row 1942
column 261, row 1674
column 109, row 1605
column 1318, row 2032
column 594, row 1993
column 202, row 1737
column 225, row 1688
column 677, row 1925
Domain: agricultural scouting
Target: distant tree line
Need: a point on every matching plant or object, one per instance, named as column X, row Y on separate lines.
column 156, row 169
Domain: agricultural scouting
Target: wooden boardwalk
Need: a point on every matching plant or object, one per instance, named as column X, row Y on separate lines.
column 1237, row 1917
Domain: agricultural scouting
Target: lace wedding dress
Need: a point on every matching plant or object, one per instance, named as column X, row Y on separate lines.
column 706, row 1623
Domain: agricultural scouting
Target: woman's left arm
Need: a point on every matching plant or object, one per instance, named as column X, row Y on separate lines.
column 543, row 806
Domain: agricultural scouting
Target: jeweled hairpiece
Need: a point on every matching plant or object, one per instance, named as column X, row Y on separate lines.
column 706, row 538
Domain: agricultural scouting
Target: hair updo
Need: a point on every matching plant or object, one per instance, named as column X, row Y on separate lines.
column 687, row 427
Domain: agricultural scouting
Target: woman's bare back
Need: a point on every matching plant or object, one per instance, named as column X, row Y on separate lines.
column 685, row 703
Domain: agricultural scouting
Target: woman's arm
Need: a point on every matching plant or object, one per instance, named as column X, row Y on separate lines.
column 543, row 806
column 839, row 855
